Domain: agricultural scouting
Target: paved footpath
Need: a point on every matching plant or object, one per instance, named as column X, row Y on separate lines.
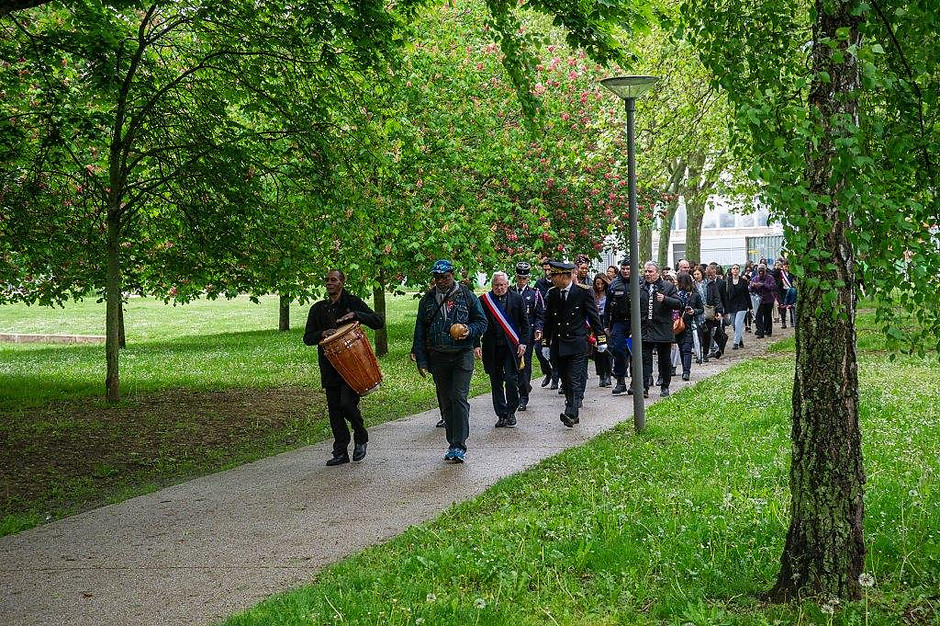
column 200, row 551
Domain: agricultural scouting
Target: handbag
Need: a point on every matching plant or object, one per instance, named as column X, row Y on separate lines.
column 678, row 326
column 709, row 312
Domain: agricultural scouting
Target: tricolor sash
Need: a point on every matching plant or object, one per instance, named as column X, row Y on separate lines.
column 501, row 318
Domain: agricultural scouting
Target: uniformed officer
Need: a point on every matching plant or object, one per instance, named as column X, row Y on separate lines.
column 569, row 312
column 535, row 311
column 618, row 316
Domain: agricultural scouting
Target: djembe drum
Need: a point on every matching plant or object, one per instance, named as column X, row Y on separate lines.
column 348, row 350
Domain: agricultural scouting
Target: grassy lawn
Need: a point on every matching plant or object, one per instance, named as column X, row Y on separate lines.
column 205, row 386
column 681, row 525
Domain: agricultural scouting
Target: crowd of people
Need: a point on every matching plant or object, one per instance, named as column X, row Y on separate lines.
column 563, row 321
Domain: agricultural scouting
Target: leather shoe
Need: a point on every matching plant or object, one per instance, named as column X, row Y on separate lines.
column 547, row 380
column 664, row 392
column 685, row 376
column 501, row 422
column 554, row 385
column 338, row 460
column 441, row 423
column 359, row 452
column 566, row 420
column 510, row 421
column 523, row 403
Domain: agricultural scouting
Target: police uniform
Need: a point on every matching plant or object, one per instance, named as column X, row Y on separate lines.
column 570, row 314
column 535, row 312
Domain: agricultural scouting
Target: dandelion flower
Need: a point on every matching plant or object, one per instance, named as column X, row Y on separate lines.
column 479, row 603
column 866, row 580
column 827, row 609
column 431, row 597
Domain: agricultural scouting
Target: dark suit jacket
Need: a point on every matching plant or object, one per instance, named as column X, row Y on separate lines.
column 565, row 329
column 517, row 313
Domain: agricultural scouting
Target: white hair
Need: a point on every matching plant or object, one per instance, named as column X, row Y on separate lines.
column 653, row 263
column 499, row 275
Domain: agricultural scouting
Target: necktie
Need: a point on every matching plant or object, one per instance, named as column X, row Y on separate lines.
column 564, row 296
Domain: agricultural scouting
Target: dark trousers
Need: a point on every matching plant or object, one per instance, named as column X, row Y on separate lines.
column 572, row 369
column 544, row 363
column 713, row 330
column 684, row 341
column 504, row 381
column 618, row 348
column 342, row 403
column 765, row 321
column 664, row 350
column 525, row 374
column 602, row 363
column 452, row 373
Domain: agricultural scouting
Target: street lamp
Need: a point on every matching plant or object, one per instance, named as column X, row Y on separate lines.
column 630, row 88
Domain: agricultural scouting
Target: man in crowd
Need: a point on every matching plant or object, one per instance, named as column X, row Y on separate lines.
column 342, row 403
column 658, row 299
column 450, row 319
column 535, row 312
column 618, row 316
column 569, row 312
column 503, row 345
column 543, row 284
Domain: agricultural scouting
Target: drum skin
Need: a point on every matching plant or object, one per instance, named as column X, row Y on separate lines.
column 348, row 350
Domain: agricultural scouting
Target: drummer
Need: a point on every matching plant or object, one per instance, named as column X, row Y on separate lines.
column 342, row 403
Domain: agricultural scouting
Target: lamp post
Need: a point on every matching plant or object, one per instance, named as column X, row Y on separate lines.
column 630, row 88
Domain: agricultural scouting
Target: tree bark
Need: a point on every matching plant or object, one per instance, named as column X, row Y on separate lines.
column 113, row 306
column 283, row 313
column 665, row 233
column 645, row 244
column 694, row 214
column 381, row 335
column 122, row 337
column 825, row 549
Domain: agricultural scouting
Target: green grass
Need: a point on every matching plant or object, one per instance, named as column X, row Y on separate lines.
column 683, row 524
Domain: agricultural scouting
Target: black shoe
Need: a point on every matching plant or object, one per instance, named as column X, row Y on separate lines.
column 673, row 371
column 704, row 359
column 734, row 347
column 646, row 393
column 698, row 360
column 359, row 452
column 546, row 380
column 501, row 422
column 338, row 459
column 567, row 421
column 523, row 403
column 685, row 376
column 511, row 421
column 554, row 385
column 748, row 329
column 620, row 388
column 719, row 354
column 759, row 335
column 561, row 390
column 741, row 345
column 441, row 423
column 783, row 326
column 664, row 392
column 659, row 381
column 630, row 391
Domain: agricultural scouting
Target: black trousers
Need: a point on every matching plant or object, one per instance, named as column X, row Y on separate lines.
column 572, row 370
column 342, row 403
column 504, row 381
column 765, row 319
column 664, row 350
column 713, row 330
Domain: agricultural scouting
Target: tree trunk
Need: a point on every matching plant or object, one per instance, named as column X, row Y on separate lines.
column 825, row 549
column 122, row 337
column 113, row 306
column 381, row 335
column 645, row 245
column 283, row 313
column 694, row 214
column 665, row 232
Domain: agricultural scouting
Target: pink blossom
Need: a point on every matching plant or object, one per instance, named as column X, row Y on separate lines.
column 572, row 75
column 479, row 66
column 539, row 89
column 565, row 116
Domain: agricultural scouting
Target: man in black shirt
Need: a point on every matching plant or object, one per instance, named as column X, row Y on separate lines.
column 338, row 308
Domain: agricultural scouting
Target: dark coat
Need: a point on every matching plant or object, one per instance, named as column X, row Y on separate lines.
column 517, row 313
column 738, row 297
column 618, row 301
column 656, row 316
column 566, row 329
column 323, row 316
column 765, row 287
column 693, row 299
column 716, row 295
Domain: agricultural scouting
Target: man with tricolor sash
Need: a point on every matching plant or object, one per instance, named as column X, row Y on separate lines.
column 503, row 346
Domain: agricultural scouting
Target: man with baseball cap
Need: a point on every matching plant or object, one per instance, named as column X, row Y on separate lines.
column 450, row 320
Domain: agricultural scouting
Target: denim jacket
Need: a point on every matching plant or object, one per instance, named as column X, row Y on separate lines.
column 432, row 326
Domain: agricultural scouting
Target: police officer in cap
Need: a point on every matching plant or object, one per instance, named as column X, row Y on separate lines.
column 535, row 311
column 567, row 308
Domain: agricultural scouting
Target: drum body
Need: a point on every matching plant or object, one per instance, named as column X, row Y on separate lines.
column 348, row 350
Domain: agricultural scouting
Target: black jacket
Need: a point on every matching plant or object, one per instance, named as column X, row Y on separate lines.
column 516, row 310
column 566, row 329
column 618, row 302
column 656, row 316
column 739, row 297
column 322, row 316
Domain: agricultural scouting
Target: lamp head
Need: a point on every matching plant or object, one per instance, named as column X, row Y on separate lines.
column 630, row 86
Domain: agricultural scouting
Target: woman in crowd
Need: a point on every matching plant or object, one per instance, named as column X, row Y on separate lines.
column 692, row 308
column 739, row 304
column 602, row 360
column 698, row 281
